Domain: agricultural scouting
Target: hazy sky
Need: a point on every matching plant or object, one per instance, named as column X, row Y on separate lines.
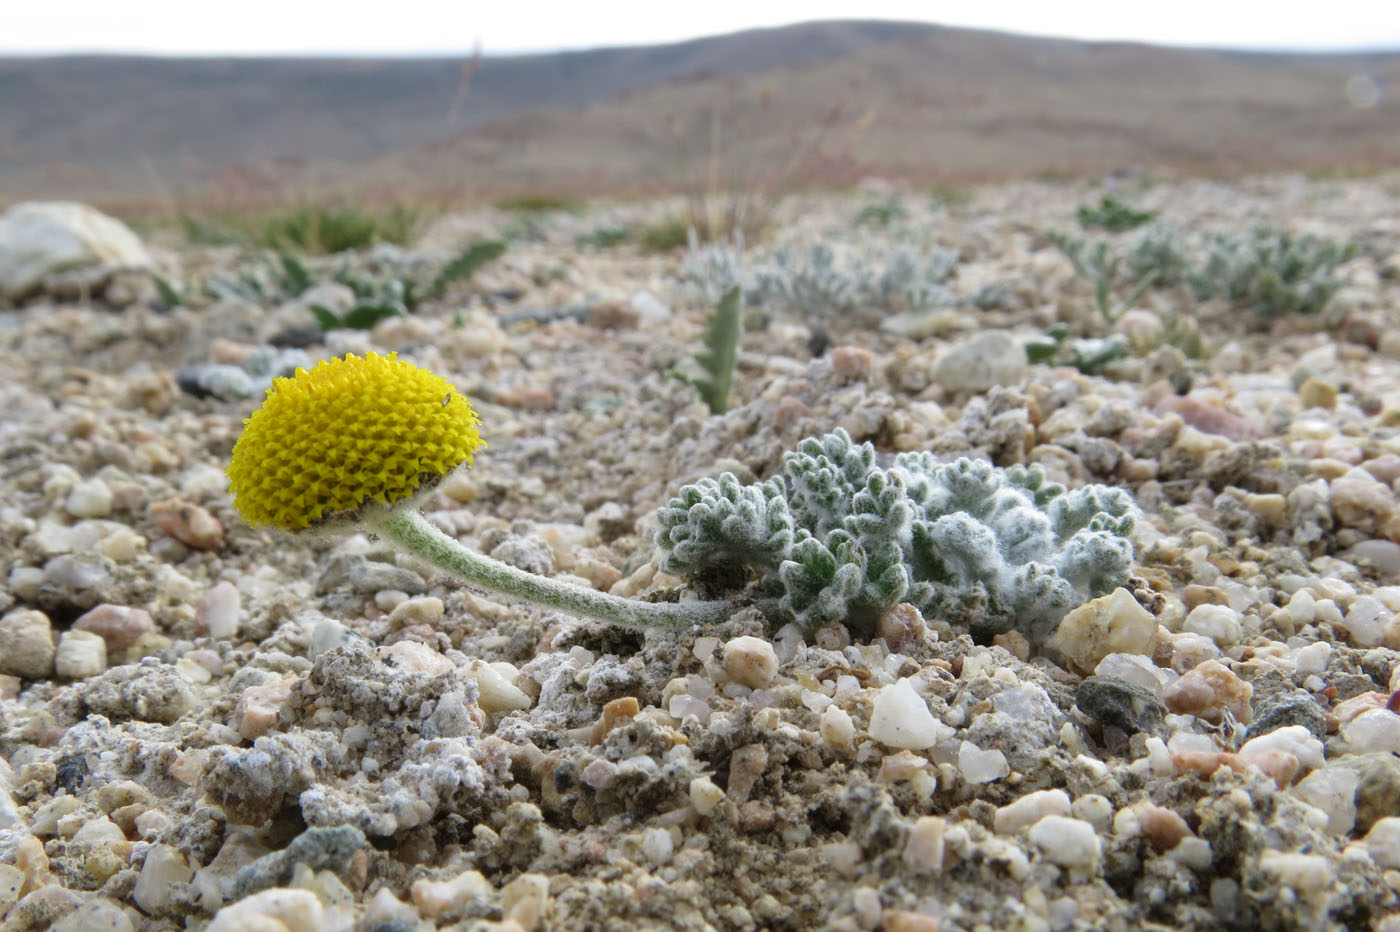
column 408, row 27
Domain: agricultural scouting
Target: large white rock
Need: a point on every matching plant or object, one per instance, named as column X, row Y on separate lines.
column 981, row 362
column 901, row 718
column 41, row 238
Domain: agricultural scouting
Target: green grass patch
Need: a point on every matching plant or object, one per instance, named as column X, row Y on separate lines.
column 308, row 229
column 539, row 202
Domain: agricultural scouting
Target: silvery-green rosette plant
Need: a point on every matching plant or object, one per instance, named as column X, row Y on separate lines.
column 837, row 537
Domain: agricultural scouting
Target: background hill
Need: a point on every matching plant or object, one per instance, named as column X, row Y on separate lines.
column 819, row 102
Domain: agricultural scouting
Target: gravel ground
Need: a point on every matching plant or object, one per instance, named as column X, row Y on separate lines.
column 204, row 725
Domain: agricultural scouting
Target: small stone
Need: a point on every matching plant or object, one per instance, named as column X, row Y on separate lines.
column 80, row 654
column 657, row 846
column 1288, row 708
column 1305, row 873
column 1186, row 651
column 600, row 774
column 217, row 612
column 1095, row 809
column 1376, row 730
column 1030, row 809
column 851, row 362
column 836, row 728
column 1208, row 691
column 705, row 795
column 386, row 911
column 1142, row 327
column 1348, row 709
column 1068, row 842
column 1313, row 658
column 900, row 718
column 1121, row 704
column 164, row 866
column 1221, row 623
column 1360, row 501
column 257, row 707
column 1366, row 621
column 614, row 315
column 118, row 625
column 902, row 920
column 495, row 693
column 1195, row 594
column 89, row 499
column 449, row 898
column 419, row 610
column 617, row 713
column 1383, row 843
column 42, row 907
column 1317, row 393
column 1333, row 790
column 1015, row 644
column 280, row 909
column 525, row 900
column 1290, row 739
column 1111, row 624
column 746, row 765
column 750, row 661
column 1378, row 794
column 900, row 624
column 97, row 915
column 416, row 657
column 526, row 398
column 979, row 766
column 190, row 524
column 923, row 848
column 1208, row 418
column 1135, row 669
column 27, row 639
column 1162, row 827
column 980, row 363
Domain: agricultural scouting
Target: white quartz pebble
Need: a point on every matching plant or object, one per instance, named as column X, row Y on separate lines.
column 901, row 719
column 1067, row 842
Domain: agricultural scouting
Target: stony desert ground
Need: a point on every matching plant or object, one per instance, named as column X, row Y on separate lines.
column 206, row 725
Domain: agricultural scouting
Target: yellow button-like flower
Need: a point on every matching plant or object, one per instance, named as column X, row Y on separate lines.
column 346, row 434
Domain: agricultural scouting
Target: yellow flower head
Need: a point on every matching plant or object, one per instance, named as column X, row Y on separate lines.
column 348, row 433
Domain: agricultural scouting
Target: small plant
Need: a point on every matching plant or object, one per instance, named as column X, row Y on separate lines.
column 357, row 441
column 390, row 287
column 1271, row 272
column 1089, row 356
column 400, row 294
column 170, row 296
column 309, row 229
column 666, row 236
column 839, row 538
column 1112, row 215
column 604, row 237
column 324, row 230
column 712, row 373
column 359, row 317
column 540, row 202
column 1157, row 254
column 881, row 214
column 465, row 265
column 1103, row 268
column 824, row 279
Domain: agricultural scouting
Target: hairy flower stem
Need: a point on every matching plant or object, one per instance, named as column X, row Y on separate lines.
column 410, row 530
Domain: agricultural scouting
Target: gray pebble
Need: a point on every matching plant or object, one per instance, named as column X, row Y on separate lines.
column 1121, row 704
column 1283, row 709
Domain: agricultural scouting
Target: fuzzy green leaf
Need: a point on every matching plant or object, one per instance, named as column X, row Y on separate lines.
column 465, row 265
column 325, row 319
column 716, row 361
